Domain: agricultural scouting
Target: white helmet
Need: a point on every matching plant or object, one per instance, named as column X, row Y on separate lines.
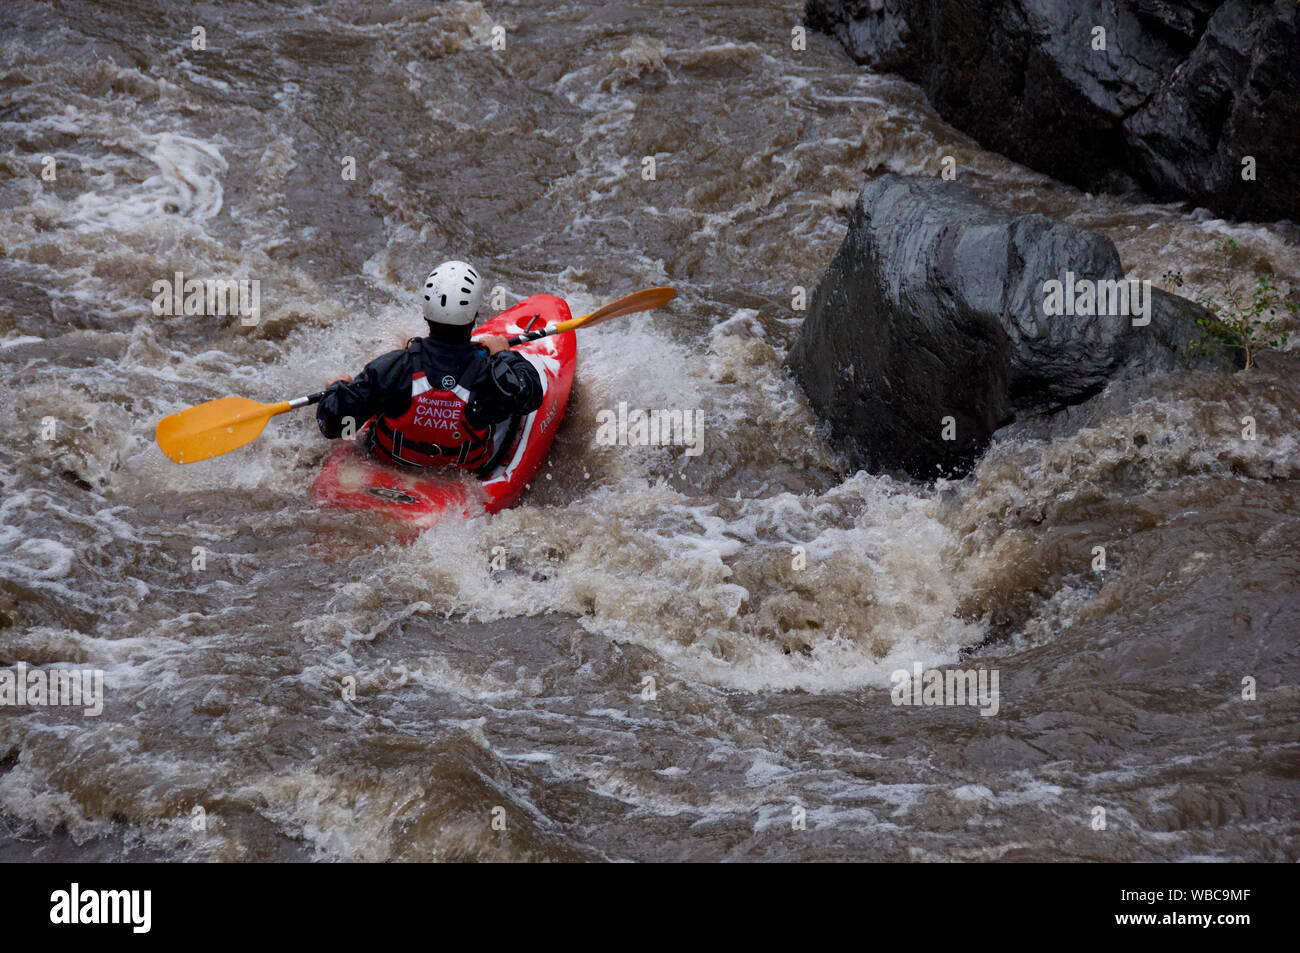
column 452, row 294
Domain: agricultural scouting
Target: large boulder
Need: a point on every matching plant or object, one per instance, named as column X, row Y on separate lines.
column 1181, row 94
column 937, row 306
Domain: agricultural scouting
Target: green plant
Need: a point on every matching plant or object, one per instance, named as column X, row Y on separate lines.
column 1250, row 320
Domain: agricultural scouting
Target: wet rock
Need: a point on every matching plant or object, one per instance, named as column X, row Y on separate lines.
column 931, row 328
column 1182, row 92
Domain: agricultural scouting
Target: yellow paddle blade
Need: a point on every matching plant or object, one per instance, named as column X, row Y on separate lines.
column 644, row 300
column 214, row 428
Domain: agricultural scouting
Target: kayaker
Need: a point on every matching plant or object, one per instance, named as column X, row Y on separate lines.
column 443, row 400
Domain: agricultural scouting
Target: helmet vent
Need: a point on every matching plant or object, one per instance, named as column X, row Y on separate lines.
column 444, row 301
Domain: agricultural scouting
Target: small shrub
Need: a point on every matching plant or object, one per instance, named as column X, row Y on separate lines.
column 1250, row 320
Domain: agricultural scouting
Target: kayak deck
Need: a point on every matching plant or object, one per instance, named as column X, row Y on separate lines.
column 352, row 479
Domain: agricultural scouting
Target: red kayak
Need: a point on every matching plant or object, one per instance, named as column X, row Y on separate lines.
column 420, row 498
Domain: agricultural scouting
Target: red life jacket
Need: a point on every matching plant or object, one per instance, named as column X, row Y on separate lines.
column 433, row 432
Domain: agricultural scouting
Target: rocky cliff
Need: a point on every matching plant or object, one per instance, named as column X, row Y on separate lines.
column 1173, row 101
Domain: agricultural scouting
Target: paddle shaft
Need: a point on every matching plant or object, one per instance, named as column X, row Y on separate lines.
column 219, row 426
column 571, row 325
column 284, row 406
column 531, row 336
column 644, row 300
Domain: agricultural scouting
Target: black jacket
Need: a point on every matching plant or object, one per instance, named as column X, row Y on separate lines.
column 501, row 385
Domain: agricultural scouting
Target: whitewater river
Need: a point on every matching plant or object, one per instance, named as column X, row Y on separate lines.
column 683, row 657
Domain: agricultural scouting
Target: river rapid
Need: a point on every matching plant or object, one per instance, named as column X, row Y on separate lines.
column 655, row 656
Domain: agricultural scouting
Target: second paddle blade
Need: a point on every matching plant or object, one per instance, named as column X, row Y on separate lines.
column 646, row 299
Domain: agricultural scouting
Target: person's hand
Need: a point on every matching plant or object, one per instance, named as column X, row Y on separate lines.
column 345, row 378
column 495, row 343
